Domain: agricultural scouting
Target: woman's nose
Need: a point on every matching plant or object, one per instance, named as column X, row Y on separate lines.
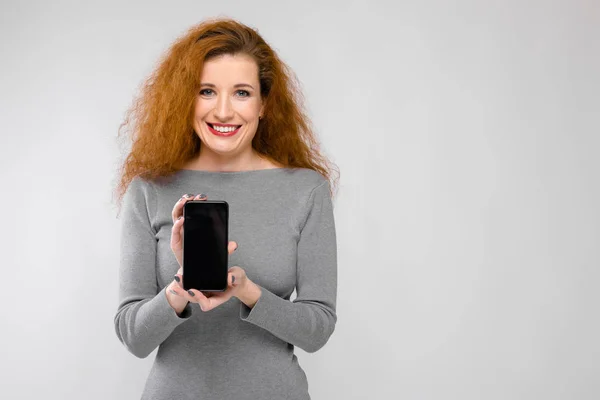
column 224, row 110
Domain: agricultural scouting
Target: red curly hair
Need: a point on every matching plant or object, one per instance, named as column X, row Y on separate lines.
column 161, row 117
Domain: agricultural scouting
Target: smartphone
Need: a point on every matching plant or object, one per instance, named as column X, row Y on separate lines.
column 205, row 241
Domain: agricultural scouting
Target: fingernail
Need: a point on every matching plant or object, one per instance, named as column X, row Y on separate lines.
column 191, row 293
column 189, row 195
column 232, row 279
column 176, row 278
column 202, row 195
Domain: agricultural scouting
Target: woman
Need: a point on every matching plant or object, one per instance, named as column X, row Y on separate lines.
column 220, row 118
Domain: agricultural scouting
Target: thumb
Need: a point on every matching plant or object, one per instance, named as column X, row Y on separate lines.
column 233, row 279
column 236, row 276
column 231, row 247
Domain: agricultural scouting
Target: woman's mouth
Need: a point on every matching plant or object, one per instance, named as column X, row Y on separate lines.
column 223, row 130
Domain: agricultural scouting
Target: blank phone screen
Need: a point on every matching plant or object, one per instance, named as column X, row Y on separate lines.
column 205, row 239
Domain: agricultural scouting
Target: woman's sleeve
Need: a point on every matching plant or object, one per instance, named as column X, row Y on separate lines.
column 309, row 320
column 144, row 318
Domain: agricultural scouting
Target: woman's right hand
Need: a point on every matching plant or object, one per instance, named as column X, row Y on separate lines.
column 178, row 303
column 177, row 230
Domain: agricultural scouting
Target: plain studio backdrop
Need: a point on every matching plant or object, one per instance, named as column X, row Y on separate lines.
column 468, row 218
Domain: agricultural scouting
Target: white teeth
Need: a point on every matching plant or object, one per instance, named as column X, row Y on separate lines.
column 224, row 129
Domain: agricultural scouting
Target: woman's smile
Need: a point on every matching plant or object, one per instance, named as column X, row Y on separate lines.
column 223, row 130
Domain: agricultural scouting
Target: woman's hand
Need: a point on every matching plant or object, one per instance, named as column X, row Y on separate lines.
column 238, row 285
column 177, row 230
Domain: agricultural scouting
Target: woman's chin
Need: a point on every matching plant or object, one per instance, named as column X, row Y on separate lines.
column 224, row 149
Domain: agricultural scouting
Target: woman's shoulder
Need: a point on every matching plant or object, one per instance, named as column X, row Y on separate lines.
column 140, row 186
column 302, row 184
column 306, row 177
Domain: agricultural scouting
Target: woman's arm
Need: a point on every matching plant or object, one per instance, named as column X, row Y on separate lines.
column 144, row 318
column 309, row 320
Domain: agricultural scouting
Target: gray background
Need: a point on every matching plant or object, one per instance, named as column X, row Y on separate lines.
column 468, row 221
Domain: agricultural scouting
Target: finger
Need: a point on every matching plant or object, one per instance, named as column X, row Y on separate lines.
column 178, row 284
column 175, row 289
column 178, row 207
column 171, row 288
column 181, row 290
column 192, row 296
column 235, row 276
column 176, row 230
column 231, row 279
column 198, row 297
column 231, row 247
column 179, row 280
column 176, row 233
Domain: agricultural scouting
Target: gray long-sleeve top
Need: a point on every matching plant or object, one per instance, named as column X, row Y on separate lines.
column 282, row 220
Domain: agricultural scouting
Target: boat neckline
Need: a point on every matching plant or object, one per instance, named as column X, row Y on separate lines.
column 245, row 172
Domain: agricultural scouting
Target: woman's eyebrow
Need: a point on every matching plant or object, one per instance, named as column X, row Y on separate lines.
column 237, row 85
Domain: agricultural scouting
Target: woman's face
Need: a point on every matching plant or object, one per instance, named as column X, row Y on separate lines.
column 228, row 104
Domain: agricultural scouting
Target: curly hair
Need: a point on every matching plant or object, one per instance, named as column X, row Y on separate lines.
column 160, row 118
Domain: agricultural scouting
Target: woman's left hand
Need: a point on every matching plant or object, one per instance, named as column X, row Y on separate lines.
column 238, row 285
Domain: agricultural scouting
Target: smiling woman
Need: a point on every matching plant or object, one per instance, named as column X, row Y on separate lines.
column 220, row 118
column 226, row 108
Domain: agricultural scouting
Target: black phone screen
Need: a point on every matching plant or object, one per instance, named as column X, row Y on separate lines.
column 205, row 240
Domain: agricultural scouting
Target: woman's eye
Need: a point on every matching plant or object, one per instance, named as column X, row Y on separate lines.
column 209, row 92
